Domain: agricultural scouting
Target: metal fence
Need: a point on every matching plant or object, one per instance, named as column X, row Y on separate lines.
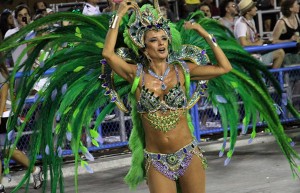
column 116, row 131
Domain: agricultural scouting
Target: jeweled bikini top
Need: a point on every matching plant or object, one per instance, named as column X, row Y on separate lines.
column 173, row 100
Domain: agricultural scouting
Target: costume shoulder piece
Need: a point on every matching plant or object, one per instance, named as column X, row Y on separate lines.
column 195, row 55
column 108, row 76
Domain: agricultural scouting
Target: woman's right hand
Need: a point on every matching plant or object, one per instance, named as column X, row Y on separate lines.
column 125, row 6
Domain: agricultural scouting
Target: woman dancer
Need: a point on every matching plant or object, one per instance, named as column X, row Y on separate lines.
column 171, row 152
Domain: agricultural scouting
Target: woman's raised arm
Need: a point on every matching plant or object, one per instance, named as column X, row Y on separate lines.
column 118, row 65
column 209, row 71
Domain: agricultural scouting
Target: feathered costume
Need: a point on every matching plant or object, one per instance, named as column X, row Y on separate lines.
column 82, row 83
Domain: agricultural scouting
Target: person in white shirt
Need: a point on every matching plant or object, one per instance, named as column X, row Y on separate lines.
column 91, row 8
column 23, row 18
column 22, row 15
column 246, row 33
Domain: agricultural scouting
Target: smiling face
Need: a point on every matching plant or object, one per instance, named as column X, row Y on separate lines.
column 156, row 44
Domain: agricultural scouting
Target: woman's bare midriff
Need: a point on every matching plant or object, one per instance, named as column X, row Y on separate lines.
column 166, row 142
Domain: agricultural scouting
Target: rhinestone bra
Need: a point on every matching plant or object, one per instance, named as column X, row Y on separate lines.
column 173, row 100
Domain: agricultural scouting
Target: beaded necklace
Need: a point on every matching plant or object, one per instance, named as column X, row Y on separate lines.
column 161, row 78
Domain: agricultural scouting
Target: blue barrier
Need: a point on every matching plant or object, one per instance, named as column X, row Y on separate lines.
column 269, row 47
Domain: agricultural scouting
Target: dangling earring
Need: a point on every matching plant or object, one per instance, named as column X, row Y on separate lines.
column 168, row 58
column 148, row 58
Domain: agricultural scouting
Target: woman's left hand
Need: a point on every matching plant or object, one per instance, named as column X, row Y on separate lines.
column 190, row 25
column 125, row 5
column 196, row 26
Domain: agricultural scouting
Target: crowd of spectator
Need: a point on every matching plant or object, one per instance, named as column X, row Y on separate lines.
column 246, row 33
column 239, row 18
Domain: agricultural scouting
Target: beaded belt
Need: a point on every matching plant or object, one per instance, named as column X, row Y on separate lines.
column 172, row 156
column 172, row 165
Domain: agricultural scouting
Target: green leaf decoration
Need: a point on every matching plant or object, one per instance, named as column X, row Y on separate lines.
column 99, row 44
column 78, row 68
column 78, row 32
column 95, row 143
column 94, row 134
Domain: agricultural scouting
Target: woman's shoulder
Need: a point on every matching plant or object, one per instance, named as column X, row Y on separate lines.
column 283, row 20
column 280, row 22
column 240, row 23
column 181, row 65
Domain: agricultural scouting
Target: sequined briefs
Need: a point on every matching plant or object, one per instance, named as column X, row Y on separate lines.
column 174, row 165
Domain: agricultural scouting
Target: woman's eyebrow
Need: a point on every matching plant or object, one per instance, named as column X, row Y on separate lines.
column 153, row 38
